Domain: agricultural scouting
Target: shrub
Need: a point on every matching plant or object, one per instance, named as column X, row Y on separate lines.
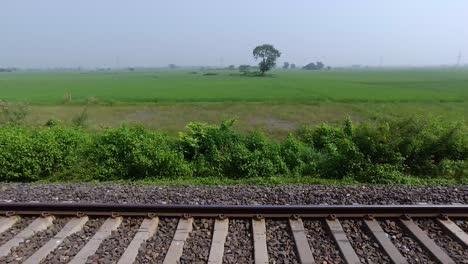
column 135, row 153
column 259, row 156
column 381, row 152
column 53, row 122
column 209, row 147
column 32, row 154
column 298, row 157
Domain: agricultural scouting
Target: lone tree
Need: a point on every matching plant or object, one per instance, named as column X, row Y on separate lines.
column 268, row 55
column 286, row 65
column 293, row 66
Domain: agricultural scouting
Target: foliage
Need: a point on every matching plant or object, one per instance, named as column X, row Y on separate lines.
column 267, row 55
column 135, row 153
column 381, row 152
column 312, row 66
column 33, row 154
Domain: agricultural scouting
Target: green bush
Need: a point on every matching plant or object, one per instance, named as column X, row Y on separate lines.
column 33, row 154
column 259, row 156
column 210, row 147
column 135, row 153
column 380, row 152
column 298, row 157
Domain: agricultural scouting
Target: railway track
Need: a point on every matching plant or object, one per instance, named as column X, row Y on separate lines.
column 139, row 233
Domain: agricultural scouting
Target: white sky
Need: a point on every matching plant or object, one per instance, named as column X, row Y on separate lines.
column 91, row 33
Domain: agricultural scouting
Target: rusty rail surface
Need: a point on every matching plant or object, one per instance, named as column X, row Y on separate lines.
column 271, row 211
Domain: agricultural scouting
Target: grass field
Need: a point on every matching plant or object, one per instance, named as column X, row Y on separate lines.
column 281, row 86
column 277, row 104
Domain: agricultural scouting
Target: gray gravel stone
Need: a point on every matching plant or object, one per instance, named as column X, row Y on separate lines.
column 410, row 249
column 155, row 248
column 280, row 243
column 24, row 250
column 197, row 246
column 73, row 244
column 235, row 194
column 462, row 223
column 238, row 247
column 324, row 248
column 435, row 231
column 368, row 250
column 114, row 246
column 15, row 229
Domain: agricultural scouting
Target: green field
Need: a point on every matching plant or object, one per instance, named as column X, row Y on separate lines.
column 280, row 86
column 277, row 104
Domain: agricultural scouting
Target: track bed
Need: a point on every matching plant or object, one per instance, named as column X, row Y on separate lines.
column 132, row 233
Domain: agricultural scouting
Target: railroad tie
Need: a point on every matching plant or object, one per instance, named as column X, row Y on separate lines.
column 260, row 245
column 39, row 224
column 147, row 229
column 73, row 226
column 111, row 224
column 345, row 247
column 184, row 227
column 387, row 245
column 421, row 236
column 455, row 231
column 217, row 244
column 302, row 244
column 7, row 222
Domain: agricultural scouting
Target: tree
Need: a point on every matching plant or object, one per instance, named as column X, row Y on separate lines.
column 268, row 55
column 286, row 65
column 293, row 66
column 231, row 67
column 172, row 66
column 310, row 66
column 320, row 65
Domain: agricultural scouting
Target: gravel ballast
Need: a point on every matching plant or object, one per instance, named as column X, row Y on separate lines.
column 239, row 241
column 197, row 246
column 114, row 246
column 280, row 243
column 325, row 249
column 72, row 245
column 366, row 248
column 235, row 194
column 15, row 229
column 155, row 248
column 451, row 247
column 238, row 247
column 410, row 249
column 25, row 249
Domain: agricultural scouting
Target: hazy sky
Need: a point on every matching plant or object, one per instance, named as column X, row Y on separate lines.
column 103, row 33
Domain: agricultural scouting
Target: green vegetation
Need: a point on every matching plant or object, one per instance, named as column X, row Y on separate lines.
column 294, row 86
column 394, row 151
column 409, row 126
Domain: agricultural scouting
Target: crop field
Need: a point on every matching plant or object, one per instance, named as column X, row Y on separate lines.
column 277, row 104
column 280, row 86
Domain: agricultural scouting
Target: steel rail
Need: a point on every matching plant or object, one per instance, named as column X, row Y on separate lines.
column 259, row 211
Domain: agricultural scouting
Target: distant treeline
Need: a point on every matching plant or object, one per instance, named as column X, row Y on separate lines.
column 8, row 69
column 381, row 152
